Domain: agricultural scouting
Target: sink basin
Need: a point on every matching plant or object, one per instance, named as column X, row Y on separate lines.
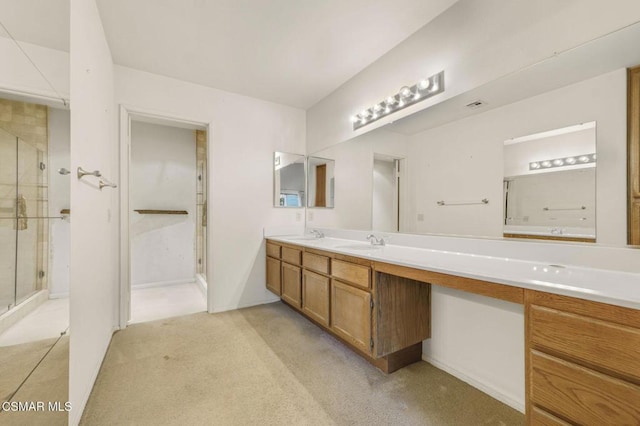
column 309, row 238
column 359, row 247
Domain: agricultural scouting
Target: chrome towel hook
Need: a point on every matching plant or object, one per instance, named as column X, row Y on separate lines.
column 82, row 172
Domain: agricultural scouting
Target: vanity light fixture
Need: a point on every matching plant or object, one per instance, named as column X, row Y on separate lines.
column 563, row 162
column 406, row 96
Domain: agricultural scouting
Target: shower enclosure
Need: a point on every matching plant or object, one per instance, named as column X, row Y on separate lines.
column 24, row 224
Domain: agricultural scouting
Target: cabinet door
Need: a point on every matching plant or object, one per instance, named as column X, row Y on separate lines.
column 351, row 315
column 273, row 275
column 315, row 296
column 291, row 283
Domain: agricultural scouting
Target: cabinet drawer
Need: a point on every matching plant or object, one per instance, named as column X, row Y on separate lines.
column 581, row 395
column 542, row 418
column 291, row 255
column 358, row 275
column 315, row 296
column 596, row 343
column 273, row 250
column 316, row 262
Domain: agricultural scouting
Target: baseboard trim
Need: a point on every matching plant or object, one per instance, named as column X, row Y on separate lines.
column 61, row 295
column 202, row 284
column 489, row 390
column 162, row 283
column 219, row 309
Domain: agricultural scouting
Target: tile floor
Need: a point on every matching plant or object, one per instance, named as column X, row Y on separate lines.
column 149, row 304
column 48, row 320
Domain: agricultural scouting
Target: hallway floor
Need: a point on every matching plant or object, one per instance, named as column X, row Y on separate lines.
column 268, row 365
column 154, row 303
column 46, row 321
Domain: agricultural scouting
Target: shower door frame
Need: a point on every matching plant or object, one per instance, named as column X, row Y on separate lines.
column 127, row 113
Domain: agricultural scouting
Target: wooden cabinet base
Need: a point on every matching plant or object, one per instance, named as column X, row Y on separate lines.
column 388, row 363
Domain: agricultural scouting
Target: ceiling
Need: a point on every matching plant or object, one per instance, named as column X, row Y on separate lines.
column 293, row 52
column 41, row 22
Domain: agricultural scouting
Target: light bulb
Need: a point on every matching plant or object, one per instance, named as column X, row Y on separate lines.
column 363, row 120
column 546, row 163
column 534, row 165
column 401, row 103
column 570, row 160
column 365, row 114
column 391, row 100
column 584, row 159
column 593, row 157
column 354, row 119
column 405, row 92
column 424, row 84
column 417, row 95
column 558, row 162
column 377, row 108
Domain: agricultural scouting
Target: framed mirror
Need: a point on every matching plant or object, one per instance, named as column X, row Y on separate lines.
column 321, row 182
column 289, row 180
column 550, row 185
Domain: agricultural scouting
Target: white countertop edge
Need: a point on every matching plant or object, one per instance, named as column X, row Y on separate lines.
column 549, row 287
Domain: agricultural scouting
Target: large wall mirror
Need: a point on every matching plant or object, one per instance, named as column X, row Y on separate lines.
column 454, row 169
column 35, row 210
column 289, row 180
column 550, row 184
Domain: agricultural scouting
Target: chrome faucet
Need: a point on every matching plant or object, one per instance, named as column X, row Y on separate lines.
column 375, row 241
column 317, row 234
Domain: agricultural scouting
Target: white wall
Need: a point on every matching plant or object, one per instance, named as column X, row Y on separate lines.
column 20, row 76
column 353, row 179
column 463, row 160
column 474, row 42
column 243, row 135
column 59, row 198
column 162, row 177
column 94, row 225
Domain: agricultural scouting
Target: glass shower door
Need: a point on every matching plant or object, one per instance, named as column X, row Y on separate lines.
column 8, row 222
column 31, row 220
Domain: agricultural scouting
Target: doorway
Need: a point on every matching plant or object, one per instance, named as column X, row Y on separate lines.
column 164, row 219
column 385, row 209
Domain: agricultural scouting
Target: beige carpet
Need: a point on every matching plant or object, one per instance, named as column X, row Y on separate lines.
column 268, row 365
column 49, row 382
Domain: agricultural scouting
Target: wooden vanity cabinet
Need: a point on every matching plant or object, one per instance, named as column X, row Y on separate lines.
column 385, row 324
column 273, row 275
column 315, row 296
column 273, row 268
column 351, row 315
column 582, row 361
column 292, row 285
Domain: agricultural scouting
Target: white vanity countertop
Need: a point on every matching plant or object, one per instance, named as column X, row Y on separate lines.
column 600, row 285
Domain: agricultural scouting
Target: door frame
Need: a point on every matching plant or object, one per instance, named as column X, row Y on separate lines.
column 400, row 173
column 127, row 113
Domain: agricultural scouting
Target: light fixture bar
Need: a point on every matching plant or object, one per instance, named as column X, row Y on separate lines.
column 576, row 160
column 406, row 96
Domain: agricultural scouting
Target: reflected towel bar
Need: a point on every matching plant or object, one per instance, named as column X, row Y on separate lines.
column 106, row 182
column 483, row 201
column 547, row 209
column 161, row 211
